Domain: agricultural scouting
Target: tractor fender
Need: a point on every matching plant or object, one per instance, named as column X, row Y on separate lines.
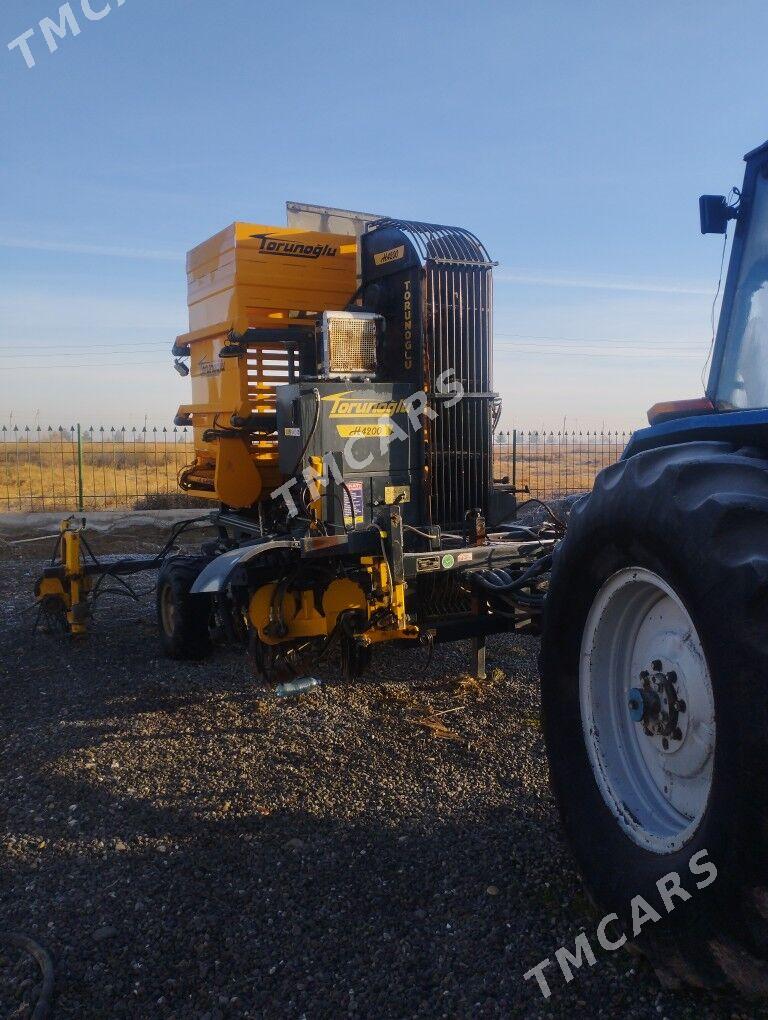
column 215, row 576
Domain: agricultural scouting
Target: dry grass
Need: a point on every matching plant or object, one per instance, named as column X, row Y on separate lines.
column 131, row 475
column 549, row 471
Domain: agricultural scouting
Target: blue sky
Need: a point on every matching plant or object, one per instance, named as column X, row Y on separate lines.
column 574, row 139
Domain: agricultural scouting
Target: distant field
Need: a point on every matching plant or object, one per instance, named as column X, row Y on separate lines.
column 556, row 468
column 43, row 475
column 138, row 469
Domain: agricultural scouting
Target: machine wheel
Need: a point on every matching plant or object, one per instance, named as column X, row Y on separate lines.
column 53, row 615
column 655, row 704
column 262, row 657
column 184, row 619
column 355, row 657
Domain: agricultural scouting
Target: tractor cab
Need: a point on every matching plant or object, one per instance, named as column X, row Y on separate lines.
column 739, row 376
column 738, row 379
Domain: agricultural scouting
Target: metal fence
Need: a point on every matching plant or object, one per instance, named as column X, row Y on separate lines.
column 549, row 464
column 93, row 468
column 103, row 468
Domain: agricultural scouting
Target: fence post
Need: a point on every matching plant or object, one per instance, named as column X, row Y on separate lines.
column 514, row 460
column 79, row 469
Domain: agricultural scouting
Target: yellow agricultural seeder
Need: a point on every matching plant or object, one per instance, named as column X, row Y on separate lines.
column 343, row 414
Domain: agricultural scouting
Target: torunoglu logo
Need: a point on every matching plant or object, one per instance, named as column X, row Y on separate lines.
column 295, row 249
column 349, row 404
column 207, row 367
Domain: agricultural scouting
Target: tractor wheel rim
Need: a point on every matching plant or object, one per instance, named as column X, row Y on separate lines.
column 647, row 709
column 168, row 609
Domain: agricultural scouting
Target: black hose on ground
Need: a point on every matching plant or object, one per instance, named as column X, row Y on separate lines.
column 45, row 963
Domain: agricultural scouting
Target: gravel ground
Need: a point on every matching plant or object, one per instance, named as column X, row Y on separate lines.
column 188, row 846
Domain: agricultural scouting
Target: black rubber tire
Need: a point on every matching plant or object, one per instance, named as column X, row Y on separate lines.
column 189, row 636
column 697, row 515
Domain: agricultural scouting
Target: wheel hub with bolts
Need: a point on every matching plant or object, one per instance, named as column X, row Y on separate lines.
column 651, row 745
column 657, row 705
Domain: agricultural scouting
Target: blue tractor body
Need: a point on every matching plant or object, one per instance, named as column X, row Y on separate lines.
column 654, row 661
column 747, row 428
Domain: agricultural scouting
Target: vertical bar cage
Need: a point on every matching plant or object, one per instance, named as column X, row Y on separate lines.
column 458, row 315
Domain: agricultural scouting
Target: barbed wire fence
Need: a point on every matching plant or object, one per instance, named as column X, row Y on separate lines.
column 77, row 468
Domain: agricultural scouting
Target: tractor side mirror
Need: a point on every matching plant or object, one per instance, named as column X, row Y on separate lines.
column 714, row 213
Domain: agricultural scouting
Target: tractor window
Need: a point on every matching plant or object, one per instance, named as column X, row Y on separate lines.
column 743, row 381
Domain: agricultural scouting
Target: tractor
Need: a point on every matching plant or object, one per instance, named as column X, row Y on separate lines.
column 654, row 659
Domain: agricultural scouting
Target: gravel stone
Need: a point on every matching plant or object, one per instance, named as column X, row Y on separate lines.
column 236, row 855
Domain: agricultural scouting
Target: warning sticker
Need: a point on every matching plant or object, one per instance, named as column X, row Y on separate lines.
column 353, row 514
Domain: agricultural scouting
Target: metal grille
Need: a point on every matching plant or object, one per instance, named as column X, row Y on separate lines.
column 350, row 343
column 458, row 302
column 446, row 245
column 459, row 315
column 267, row 367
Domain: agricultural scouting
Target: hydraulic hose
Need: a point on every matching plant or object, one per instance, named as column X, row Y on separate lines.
column 45, row 963
column 432, row 538
column 300, row 460
column 501, row 581
column 547, row 508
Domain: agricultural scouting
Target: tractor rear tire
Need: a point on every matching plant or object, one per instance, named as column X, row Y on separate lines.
column 184, row 619
column 667, row 560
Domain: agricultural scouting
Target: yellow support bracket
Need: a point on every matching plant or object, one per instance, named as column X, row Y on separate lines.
column 71, row 585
